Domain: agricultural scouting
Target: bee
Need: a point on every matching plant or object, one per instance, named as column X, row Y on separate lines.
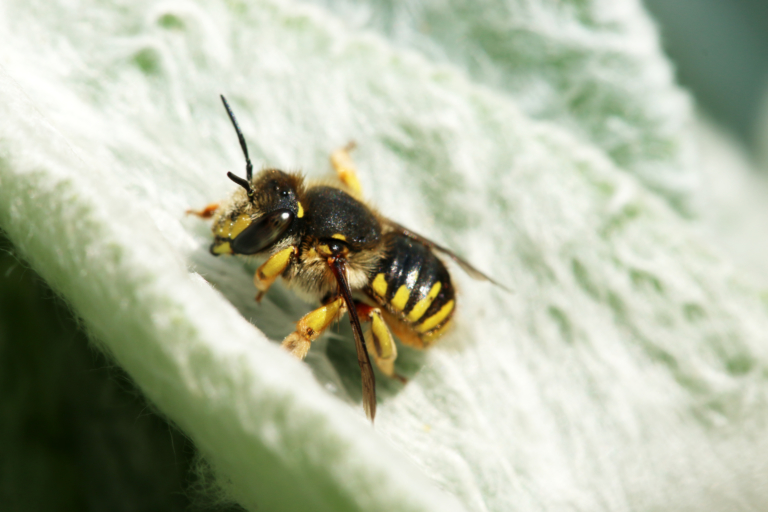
column 325, row 242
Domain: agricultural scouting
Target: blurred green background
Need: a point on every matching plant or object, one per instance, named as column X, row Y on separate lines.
column 720, row 51
column 75, row 434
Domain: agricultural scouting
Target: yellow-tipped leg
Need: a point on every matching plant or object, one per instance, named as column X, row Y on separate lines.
column 297, row 345
column 381, row 345
column 345, row 168
column 205, row 213
column 267, row 273
column 311, row 326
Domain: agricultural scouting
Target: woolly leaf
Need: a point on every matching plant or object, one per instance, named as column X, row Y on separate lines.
column 625, row 371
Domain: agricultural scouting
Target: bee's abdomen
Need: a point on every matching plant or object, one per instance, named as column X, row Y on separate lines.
column 415, row 289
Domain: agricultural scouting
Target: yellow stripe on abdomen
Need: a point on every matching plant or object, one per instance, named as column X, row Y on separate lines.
column 437, row 318
column 401, row 298
column 379, row 285
column 428, row 338
column 421, row 307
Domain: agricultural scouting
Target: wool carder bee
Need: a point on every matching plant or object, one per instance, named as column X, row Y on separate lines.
column 324, row 241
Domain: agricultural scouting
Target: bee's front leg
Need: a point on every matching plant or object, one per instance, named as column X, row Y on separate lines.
column 205, row 213
column 267, row 273
column 312, row 325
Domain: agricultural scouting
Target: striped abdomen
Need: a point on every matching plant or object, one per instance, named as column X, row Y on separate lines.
column 414, row 288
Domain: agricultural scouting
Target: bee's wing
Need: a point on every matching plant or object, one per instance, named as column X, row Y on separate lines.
column 369, row 382
column 464, row 264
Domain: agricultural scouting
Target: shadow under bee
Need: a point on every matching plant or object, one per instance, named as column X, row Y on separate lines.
column 341, row 354
column 334, row 360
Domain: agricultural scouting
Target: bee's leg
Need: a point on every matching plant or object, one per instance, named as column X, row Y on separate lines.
column 379, row 341
column 345, row 168
column 312, row 325
column 267, row 273
column 205, row 213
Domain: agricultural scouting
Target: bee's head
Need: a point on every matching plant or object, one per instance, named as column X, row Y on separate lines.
column 262, row 213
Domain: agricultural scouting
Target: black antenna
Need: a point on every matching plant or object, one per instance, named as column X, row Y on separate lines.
column 243, row 183
column 248, row 164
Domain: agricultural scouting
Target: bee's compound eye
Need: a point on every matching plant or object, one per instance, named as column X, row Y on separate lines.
column 263, row 232
column 282, row 218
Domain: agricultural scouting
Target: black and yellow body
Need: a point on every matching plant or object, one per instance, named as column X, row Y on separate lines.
column 325, row 242
column 414, row 288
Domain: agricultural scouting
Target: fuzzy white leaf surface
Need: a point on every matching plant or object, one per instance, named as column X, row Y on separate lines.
column 626, row 370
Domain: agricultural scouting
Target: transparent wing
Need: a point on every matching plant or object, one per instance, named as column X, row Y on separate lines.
column 464, row 264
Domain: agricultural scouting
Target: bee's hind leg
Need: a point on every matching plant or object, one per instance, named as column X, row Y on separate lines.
column 312, row 325
column 379, row 341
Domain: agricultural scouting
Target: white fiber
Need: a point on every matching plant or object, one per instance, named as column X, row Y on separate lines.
column 626, row 371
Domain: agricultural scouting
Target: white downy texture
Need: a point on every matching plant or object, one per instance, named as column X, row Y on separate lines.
column 625, row 372
column 592, row 67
